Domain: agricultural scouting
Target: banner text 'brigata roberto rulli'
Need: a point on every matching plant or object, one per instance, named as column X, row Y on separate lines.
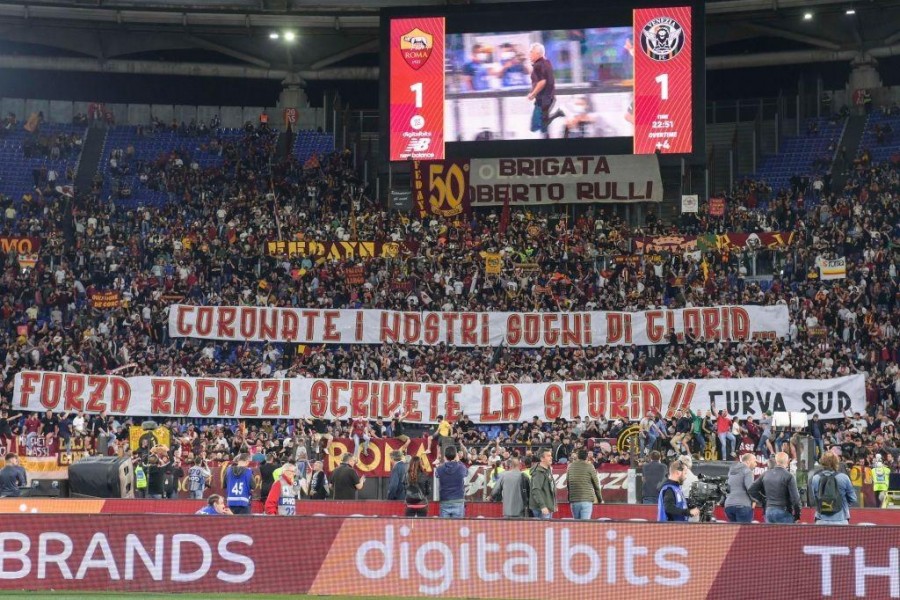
column 424, row 402
column 512, row 329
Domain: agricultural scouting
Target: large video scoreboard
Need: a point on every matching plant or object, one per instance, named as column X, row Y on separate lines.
column 618, row 78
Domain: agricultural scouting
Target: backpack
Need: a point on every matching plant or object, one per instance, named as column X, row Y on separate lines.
column 829, row 500
column 414, row 493
column 525, row 487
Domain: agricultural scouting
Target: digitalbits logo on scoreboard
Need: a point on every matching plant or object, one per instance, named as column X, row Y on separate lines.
column 416, row 47
column 662, row 38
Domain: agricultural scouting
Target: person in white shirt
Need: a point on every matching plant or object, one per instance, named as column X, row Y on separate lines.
column 689, row 478
column 78, row 424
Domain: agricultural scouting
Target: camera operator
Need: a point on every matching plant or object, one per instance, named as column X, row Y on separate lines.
column 777, row 491
column 672, row 504
column 738, row 504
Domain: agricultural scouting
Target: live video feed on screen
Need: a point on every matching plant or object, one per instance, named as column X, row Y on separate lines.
column 488, row 80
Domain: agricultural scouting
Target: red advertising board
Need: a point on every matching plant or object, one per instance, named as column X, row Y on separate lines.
column 865, row 517
column 663, row 80
column 474, row 558
column 417, row 89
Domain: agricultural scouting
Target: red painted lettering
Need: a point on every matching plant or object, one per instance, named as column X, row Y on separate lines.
column 290, row 326
column 51, row 389
column 655, row 331
column 618, row 400
column 331, row 333
column 225, row 322
column 575, row 389
column 96, row 399
column 249, row 390
column 597, row 399
column 270, row 389
column 184, row 398
column 228, row 395
column 160, row 390
column 121, row 395
column 740, row 323
column 248, row 322
column 318, row 399
column 27, row 387
column 181, row 326
column 74, row 388
column 412, row 327
column 469, row 325
column 205, row 402
column 553, row 402
column 513, row 329
column 204, row 324
column 337, row 411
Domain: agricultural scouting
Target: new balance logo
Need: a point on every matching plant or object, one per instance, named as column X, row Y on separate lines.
column 418, row 144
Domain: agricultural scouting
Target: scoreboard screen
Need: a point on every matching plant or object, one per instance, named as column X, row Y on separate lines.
column 484, row 81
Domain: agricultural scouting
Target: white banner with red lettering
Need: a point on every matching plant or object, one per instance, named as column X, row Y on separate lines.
column 517, row 330
column 425, row 402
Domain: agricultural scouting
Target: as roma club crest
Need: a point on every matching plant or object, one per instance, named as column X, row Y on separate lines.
column 416, row 47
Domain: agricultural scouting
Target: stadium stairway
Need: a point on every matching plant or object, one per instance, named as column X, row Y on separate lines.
column 853, row 135
column 90, row 157
column 883, row 151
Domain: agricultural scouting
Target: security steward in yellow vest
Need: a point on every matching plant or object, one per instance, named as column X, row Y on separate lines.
column 881, row 477
column 140, row 480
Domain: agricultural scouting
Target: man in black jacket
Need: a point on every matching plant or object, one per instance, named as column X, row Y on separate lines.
column 777, row 491
column 156, row 478
column 266, row 472
column 397, row 481
column 173, row 474
column 653, row 473
column 12, row 477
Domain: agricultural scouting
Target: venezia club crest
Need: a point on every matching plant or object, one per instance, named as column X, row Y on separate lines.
column 416, row 47
column 662, row 38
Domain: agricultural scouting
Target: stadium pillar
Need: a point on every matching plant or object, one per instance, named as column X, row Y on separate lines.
column 864, row 75
column 293, row 94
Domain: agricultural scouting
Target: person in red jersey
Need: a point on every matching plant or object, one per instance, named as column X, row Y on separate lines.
column 283, row 496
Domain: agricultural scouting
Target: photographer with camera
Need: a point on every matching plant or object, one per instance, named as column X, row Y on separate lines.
column 738, row 504
column 777, row 491
column 672, row 504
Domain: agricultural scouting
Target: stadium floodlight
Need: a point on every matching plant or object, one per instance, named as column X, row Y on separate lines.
column 807, row 16
column 289, row 36
column 850, row 11
column 274, row 35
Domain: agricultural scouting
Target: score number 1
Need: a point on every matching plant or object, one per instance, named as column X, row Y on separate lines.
column 663, row 81
column 416, row 88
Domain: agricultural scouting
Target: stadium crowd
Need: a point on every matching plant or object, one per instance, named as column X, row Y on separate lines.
column 209, row 247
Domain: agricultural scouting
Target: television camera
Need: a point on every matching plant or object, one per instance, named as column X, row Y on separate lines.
column 706, row 494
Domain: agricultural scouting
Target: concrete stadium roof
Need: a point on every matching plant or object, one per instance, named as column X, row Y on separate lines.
column 338, row 39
